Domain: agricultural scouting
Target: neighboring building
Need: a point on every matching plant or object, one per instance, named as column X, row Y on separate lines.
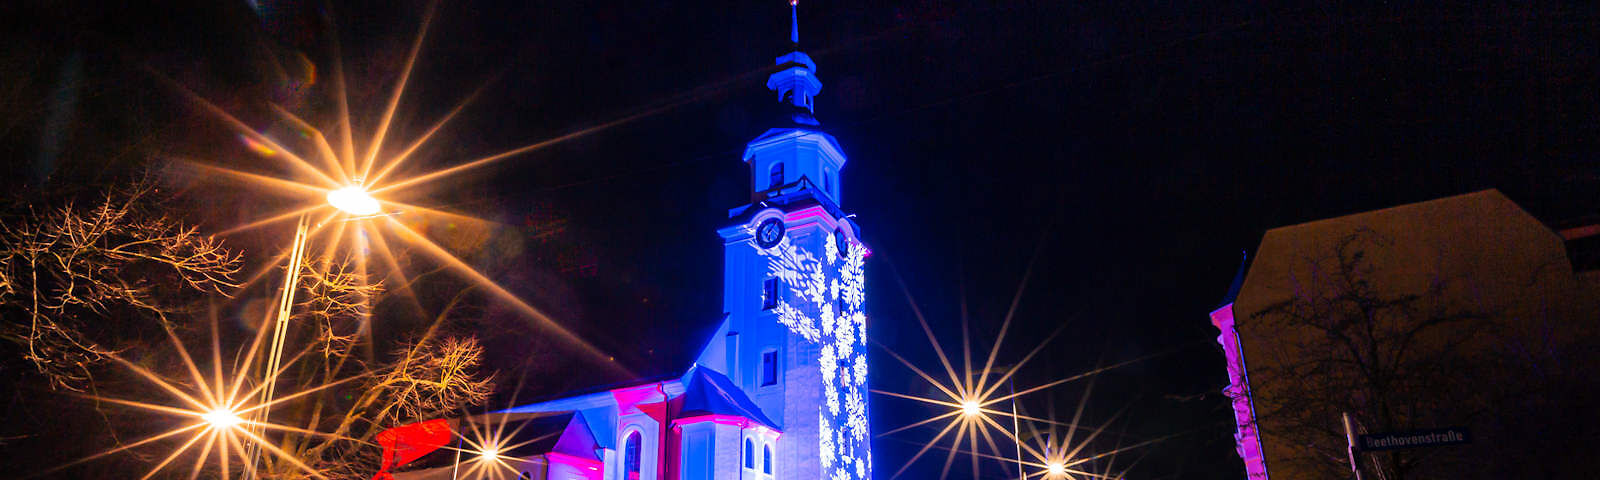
column 1477, row 252
column 780, row 390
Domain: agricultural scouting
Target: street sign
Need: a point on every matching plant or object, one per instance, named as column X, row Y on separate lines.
column 1412, row 439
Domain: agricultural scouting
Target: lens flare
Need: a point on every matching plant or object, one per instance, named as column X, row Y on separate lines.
column 222, row 418
column 211, row 412
column 491, row 440
column 332, row 174
column 354, row 200
column 969, row 399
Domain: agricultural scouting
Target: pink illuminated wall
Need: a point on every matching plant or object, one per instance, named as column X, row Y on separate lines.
column 1246, row 442
column 568, row 467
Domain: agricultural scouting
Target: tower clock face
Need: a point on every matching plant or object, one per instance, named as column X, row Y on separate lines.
column 769, row 233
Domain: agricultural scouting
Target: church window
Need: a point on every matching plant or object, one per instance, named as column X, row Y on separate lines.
column 630, row 456
column 749, row 454
column 769, row 368
column 827, row 183
column 775, row 176
column 769, row 294
column 766, row 459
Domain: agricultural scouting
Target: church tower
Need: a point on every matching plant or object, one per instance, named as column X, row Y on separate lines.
column 795, row 334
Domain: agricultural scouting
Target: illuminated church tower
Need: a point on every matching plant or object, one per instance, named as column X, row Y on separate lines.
column 795, row 335
column 779, row 392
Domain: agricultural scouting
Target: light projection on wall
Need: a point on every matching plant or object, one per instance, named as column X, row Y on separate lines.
column 823, row 304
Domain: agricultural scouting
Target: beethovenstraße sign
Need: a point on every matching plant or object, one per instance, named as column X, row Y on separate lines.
column 1415, row 438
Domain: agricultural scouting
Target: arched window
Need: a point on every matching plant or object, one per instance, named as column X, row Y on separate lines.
column 749, row 454
column 827, row 181
column 630, row 456
column 775, row 176
column 766, row 459
column 524, row 476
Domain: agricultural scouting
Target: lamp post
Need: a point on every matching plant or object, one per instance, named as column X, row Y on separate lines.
column 1016, row 433
column 352, row 200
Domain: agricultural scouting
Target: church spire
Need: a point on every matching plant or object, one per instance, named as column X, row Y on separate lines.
column 796, row 82
column 794, row 24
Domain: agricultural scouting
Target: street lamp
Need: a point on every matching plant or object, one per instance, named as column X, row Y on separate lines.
column 354, row 201
column 971, row 408
column 488, row 453
column 222, row 418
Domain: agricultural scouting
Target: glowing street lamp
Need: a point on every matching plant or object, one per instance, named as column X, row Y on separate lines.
column 354, row 200
column 971, row 408
column 222, row 418
column 489, row 453
column 1056, row 470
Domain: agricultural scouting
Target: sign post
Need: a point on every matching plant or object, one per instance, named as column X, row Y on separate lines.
column 1350, row 442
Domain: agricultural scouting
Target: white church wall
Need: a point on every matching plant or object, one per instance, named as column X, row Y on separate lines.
column 725, row 461
column 697, row 450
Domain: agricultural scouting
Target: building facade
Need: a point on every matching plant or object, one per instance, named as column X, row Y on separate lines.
column 1408, row 318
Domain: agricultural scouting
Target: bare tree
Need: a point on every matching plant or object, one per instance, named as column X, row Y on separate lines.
column 1395, row 360
column 78, row 285
column 431, row 376
column 71, row 276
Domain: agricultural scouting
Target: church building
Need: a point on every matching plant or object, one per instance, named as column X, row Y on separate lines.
column 779, row 391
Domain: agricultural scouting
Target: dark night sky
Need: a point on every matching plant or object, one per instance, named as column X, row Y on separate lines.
column 1129, row 150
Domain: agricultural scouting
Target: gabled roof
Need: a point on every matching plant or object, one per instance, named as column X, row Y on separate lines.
column 708, row 392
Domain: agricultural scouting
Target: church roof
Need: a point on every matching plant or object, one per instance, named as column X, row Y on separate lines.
column 710, row 393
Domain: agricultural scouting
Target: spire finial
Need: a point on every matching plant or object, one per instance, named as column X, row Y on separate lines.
column 794, row 24
column 796, row 82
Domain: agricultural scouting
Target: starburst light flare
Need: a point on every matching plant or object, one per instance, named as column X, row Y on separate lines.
column 1059, row 453
column 354, row 200
column 487, row 439
column 212, row 412
column 222, row 418
column 352, row 193
column 970, row 400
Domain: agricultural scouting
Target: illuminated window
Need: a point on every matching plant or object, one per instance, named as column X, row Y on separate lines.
column 776, row 176
column 769, row 368
column 630, row 456
column 769, row 294
column 766, row 459
column 749, row 454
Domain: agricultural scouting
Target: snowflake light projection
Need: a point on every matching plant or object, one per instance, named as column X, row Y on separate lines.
column 824, row 306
